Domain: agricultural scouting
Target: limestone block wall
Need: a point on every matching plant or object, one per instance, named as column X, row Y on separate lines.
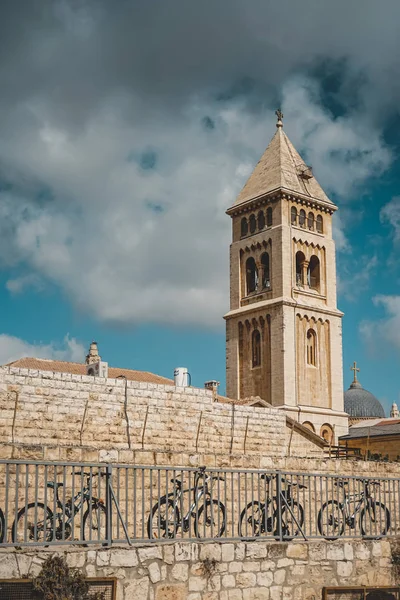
column 231, row 571
column 43, row 413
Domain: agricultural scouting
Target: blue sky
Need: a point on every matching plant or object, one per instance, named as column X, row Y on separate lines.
column 123, row 139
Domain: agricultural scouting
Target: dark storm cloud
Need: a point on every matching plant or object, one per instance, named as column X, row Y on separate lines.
column 127, row 127
column 76, row 54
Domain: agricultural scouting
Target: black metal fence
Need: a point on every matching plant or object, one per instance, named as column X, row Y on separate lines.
column 46, row 503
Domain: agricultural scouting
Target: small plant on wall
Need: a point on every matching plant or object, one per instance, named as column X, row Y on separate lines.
column 56, row 581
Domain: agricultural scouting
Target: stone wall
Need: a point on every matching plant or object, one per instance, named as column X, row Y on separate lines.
column 230, row 571
column 110, row 416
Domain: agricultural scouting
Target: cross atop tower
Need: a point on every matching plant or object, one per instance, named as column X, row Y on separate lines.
column 355, row 370
column 279, row 115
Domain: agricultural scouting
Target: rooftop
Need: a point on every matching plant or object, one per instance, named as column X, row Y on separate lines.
column 60, row 366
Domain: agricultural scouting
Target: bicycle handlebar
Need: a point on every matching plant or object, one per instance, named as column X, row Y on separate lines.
column 88, row 474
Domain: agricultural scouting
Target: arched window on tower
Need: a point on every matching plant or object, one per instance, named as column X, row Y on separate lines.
column 300, row 258
column 252, row 222
column 293, row 215
column 311, row 221
column 266, row 281
column 269, row 216
column 314, row 273
column 302, row 218
column 311, row 347
column 244, row 227
column 320, row 224
column 251, row 276
column 256, row 348
column 261, row 220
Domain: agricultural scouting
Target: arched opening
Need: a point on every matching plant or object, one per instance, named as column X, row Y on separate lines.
column 314, row 273
column 300, row 258
column 310, row 221
column 309, row 426
column 244, row 227
column 311, row 347
column 293, row 215
column 266, row 281
column 269, row 216
column 327, row 433
column 320, row 224
column 261, row 220
column 253, row 224
column 256, row 348
column 251, row 276
column 302, row 218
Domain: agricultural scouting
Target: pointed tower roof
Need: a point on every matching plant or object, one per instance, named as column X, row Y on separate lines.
column 281, row 166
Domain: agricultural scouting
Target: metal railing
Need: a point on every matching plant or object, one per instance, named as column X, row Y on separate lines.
column 46, row 503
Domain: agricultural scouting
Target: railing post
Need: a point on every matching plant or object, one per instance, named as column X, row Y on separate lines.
column 109, row 503
column 279, row 504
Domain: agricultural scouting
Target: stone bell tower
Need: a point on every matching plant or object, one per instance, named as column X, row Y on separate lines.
column 283, row 330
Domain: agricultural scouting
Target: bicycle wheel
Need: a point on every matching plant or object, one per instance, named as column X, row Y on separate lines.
column 210, row 520
column 331, row 520
column 374, row 520
column 34, row 523
column 252, row 520
column 95, row 523
column 163, row 520
column 291, row 520
column 2, row 526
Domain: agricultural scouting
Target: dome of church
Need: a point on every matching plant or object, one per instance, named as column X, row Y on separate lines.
column 361, row 404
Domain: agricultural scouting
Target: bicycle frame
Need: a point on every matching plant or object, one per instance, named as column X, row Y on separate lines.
column 363, row 498
column 199, row 492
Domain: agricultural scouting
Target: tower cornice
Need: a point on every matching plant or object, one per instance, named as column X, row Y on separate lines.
column 267, row 304
column 279, row 194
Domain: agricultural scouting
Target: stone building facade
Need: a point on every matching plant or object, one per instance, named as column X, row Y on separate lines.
column 283, row 330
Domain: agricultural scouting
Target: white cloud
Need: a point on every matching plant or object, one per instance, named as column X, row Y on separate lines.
column 390, row 213
column 88, row 89
column 129, row 244
column 345, row 152
column 385, row 330
column 20, row 284
column 13, row 348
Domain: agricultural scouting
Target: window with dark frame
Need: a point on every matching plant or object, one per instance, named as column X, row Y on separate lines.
column 256, row 348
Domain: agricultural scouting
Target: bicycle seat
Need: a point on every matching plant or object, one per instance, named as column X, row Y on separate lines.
column 51, row 484
column 341, row 483
column 177, row 482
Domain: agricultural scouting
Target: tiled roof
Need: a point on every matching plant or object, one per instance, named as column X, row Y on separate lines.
column 60, row 366
column 386, row 429
column 280, row 166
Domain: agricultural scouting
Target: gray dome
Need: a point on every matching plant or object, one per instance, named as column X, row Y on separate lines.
column 361, row 404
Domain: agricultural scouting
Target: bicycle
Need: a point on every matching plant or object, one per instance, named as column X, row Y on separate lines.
column 2, row 526
column 335, row 515
column 36, row 522
column 209, row 514
column 282, row 518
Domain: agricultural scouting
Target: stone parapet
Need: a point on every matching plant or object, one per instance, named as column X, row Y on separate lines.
column 226, row 571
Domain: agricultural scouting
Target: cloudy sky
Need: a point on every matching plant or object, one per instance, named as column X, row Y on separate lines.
column 126, row 130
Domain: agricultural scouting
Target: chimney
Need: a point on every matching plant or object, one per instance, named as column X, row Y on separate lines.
column 93, row 355
column 212, row 385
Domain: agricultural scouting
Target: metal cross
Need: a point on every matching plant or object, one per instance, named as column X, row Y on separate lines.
column 279, row 114
column 355, row 370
